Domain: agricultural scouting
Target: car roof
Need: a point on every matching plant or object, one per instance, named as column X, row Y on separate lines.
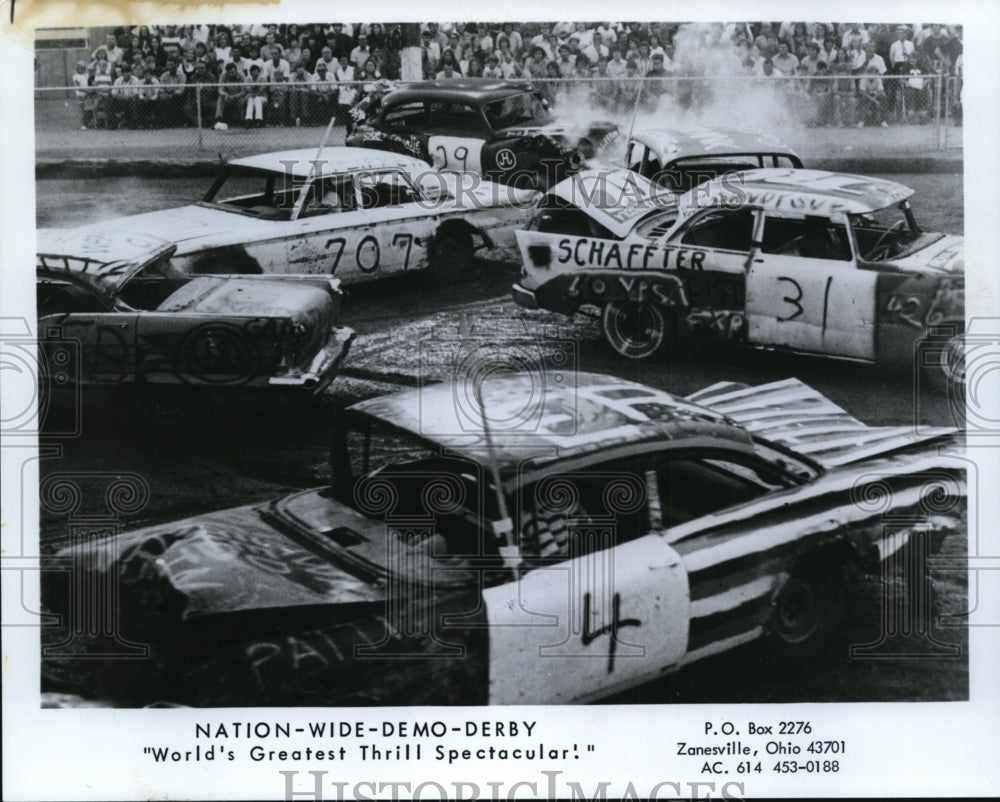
column 334, row 159
column 813, row 191
column 469, row 90
column 672, row 144
column 537, row 418
column 614, row 197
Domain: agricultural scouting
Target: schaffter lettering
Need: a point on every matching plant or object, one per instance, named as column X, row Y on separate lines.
column 586, row 252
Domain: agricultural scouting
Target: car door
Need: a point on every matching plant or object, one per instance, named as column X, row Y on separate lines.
column 333, row 234
column 103, row 341
column 598, row 605
column 805, row 291
column 105, row 345
column 401, row 223
column 711, row 252
column 457, row 133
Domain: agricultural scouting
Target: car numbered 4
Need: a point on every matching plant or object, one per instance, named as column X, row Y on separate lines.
column 354, row 213
column 615, row 533
column 806, row 261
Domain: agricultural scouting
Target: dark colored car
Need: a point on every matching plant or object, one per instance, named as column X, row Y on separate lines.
column 121, row 317
column 503, row 130
column 540, row 539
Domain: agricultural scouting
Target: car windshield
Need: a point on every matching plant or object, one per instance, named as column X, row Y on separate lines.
column 885, row 233
column 526, row 108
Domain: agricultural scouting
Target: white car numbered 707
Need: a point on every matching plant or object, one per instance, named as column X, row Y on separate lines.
column 354, row 213
column 814, row 262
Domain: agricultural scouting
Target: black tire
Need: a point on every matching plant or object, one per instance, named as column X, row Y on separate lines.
column 809, row 610
column 635, row 330
column 170, row 410
column 943, row 363
column 450, row 257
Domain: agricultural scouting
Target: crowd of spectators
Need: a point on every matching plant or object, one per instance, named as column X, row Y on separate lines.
column 837, row 74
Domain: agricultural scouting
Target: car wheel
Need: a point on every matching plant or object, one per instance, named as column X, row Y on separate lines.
column 809, row 610
column 944, row 363
column 450, row 257
column 168, row 410
column 635, row 330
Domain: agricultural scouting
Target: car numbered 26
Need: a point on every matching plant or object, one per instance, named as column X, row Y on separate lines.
column 354, row 213
column 615, row 533
column 801, row 260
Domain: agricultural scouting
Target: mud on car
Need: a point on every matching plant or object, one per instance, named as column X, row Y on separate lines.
column 171, row 344
column 504, row 131
column 813, row 262
column 559, row 539
column 354, row 213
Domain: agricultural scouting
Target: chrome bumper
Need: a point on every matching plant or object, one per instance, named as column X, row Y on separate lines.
column 524, row 297
column 324, row 366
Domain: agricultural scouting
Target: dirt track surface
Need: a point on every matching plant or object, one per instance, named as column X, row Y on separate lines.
column 409, row 329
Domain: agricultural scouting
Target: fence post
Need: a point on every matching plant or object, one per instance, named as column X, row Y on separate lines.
column 938, row 99
column 947, row 110
column 197, row 101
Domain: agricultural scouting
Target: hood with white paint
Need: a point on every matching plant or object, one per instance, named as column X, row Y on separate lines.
column 945, row 253
column 192, row 227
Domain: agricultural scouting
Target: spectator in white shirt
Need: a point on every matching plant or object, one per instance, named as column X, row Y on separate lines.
column 854, row 37
column 492, row 68
column 276, row 64
column 596, row 49
column 868, row 59
column 784, row 61
column 899, row 52
column 361, row 53
column 242, row 65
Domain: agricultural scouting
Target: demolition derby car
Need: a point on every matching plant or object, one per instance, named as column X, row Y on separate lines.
column 355, row 213
column 502, row 130
column 125, row 319
column 801, row 260
column 682, row 159
column 533, row 539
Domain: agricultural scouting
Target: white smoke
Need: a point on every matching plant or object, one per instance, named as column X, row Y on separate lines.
column 712, row 90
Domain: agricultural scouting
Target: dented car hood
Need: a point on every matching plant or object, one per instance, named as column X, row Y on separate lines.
column 795, row 415
column 944, row 254
column 196, row 225
column 247, row 297
column 228, row 561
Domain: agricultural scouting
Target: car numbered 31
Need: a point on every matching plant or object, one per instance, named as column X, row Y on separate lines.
column 354, row 213
column 615, row 533
column 812, row 262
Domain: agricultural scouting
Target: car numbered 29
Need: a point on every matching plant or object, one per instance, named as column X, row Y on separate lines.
column 354, row 213
column 615, row 533
column 502, row 130
column 812, row 262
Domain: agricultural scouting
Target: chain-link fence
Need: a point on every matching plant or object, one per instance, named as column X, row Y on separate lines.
column 814, row 114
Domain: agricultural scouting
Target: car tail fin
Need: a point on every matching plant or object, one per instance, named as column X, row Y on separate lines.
column 795, row 415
